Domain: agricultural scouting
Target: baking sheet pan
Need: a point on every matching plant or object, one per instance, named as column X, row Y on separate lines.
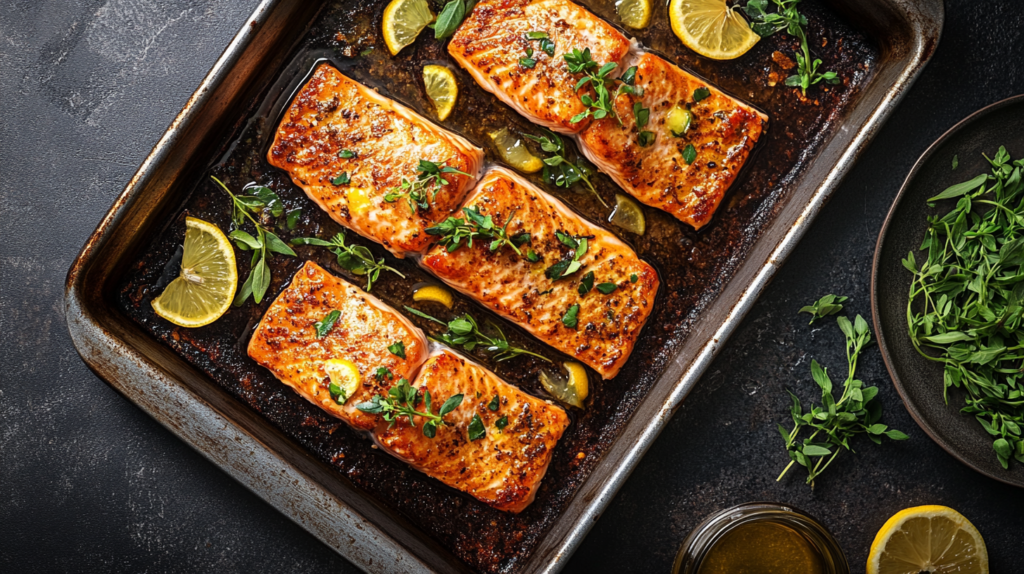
column 302, row 485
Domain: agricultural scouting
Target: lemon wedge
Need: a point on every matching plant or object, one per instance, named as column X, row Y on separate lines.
column 514, row 152
column 203, row 291
column 441, row 89
column 628, row 215
column 634, row 13
column 434, row 294
column 344, row 376
column 403, row 21
column 571, row 390
column 928, row 539
column 711, row 28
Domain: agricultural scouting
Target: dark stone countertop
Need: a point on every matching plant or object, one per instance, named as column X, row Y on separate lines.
column 88, row 483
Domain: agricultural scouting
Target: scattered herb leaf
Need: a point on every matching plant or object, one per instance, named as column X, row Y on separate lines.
column 571, row 317
column 689, row 154
column 397, row 348
column 476, row 428
column 827, row 305
column 606, row 288
column 324, row 326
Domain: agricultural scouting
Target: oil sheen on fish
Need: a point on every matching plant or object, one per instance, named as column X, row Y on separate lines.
column 493, row 46
column 286, row 341
column 504, row 466
column 606, row 326
column 347, row 146
column 721, row 130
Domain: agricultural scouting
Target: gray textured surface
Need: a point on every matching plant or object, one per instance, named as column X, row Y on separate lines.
column 90, row 484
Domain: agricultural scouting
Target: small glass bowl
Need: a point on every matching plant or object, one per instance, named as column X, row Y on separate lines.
column 700, row 541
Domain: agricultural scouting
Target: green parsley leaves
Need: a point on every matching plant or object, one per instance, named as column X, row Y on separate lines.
column 324, row 326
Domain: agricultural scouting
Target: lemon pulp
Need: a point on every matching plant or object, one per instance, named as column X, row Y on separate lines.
column 203, row 291
column 634, row 13
column 515, row 152
column 711, row 28
column 928, row 539
column 403, row 21
column 441, row 89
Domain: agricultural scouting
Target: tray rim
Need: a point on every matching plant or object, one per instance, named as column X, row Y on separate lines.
column 337, row 523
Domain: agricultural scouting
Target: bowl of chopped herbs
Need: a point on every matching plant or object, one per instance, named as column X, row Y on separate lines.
column 947, row 291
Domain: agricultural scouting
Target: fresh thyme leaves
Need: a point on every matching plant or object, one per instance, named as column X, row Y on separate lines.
column 642, row 115
column 383, row 373
column 532, row 256
column 966, row 302
column 629, row 76
column 449, row 19
column 342, row 179
column 264, row 245
column 700, row 93
column 324, row 326
column 571, row 317
column 501, row 423
column 956, row 161
column 582, row 63
column 465, row 332
column 454, row 230
column 558, row 170
column 338, row 394
column 346, row 154
column 397, row 349
column 546, row 44
column 833, row 424
column 786, row 17
column 606, row 288
column 354, row 258
column 401, row 401
column 689, row 154
column 528, row 61
column 586, row 284
column 476, row 428
column 495, row 403
column 633, row 278
column 421, row 191
column 292, row 217
column 827, row 305
column 567, row 267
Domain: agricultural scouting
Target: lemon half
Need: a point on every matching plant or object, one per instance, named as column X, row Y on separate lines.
column 403, row 21
column 928, row 539
column 711, row 28
column 441, row 89
column 204, row 289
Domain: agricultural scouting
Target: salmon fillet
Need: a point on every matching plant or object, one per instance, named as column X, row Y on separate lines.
column 723, row 131
column 333, row 116
column 607, row 324
column 285, row 341
column 491, row 41
column 504, row 468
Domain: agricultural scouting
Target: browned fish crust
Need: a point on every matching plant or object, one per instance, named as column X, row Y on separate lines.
column 511, row 285
column 332, row 114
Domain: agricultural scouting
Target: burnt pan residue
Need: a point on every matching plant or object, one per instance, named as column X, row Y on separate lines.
column 694, row 266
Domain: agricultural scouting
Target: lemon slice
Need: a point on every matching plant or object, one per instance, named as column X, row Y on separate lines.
column 206, row 286
column 634, row 13
column 711, row 28
column 628, row 215
column 403, row 21
column 344, row 376
column 441, row 89
column 514, row 151
column 928, row 539
column 435, row 294
column 572, row 390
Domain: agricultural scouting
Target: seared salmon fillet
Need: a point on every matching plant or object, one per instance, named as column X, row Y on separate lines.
column 347, row 147
column 722, row 131
column 606, row 326
column 286, row 342
column 504, row 467
column 491, row 41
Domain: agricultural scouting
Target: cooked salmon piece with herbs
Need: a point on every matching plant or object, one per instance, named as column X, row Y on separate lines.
column 495, row 446
column 294, row 342
column 570, row 283
column 515, row 49
column 374, row 165
column 679, row 145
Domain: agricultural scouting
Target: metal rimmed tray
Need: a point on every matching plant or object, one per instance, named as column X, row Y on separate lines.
column 271, row 464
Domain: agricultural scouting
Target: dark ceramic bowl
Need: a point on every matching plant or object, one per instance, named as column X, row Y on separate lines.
column 918, row 380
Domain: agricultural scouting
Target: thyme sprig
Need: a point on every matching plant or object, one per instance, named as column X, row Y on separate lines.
column 453, row 231
column 421, row 191
column 263, row 245
column 787, row 17
column 354, row 258
column 834, row 423
column 401, row 401
column 599, row 79
column 558, row 170
column 465, row 332
column 966, row 302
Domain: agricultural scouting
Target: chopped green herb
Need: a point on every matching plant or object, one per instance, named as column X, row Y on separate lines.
column 397, row 348
column 689, row 153
column 449, row 19
column 532, row 256
column 346, row 154
column 633, row 278
column 366, row 51
column 383, row 373
column 629, row 77
column 701, row 93
column 401, row 401
column 465, row 332
column 354, row 258
column 606, row 288
column 538, row 35
column 342, row 179
column 642, row 115
column 567, row 267
column 586, row 284
column 324, row 326
column 476, row 428
column 501, row 423
column 495, row 403
column 956, row 161
column 571, row 319
column 292, row 217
